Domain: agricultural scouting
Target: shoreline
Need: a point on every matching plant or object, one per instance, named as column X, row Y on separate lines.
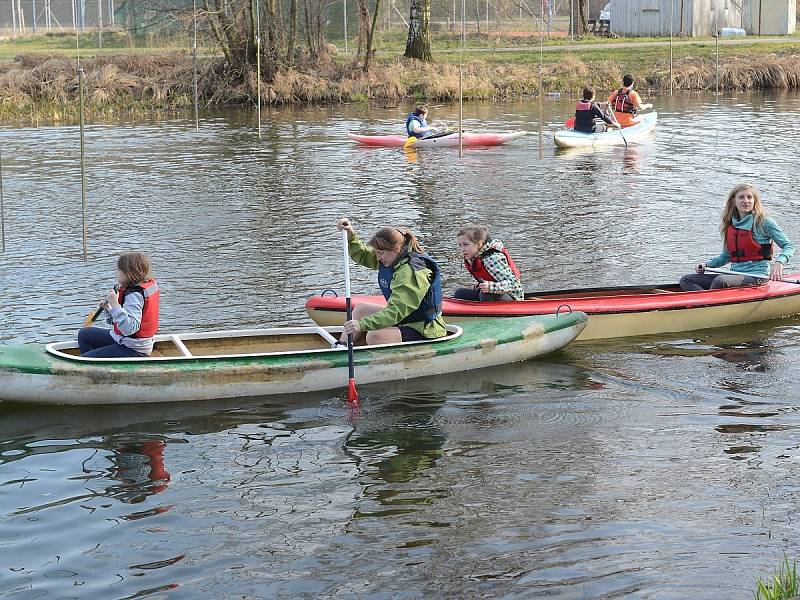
column 37, row 87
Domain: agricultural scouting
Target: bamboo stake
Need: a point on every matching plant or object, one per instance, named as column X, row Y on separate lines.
column 2, row 208
column 541, row 83
column 461, row 84
column 258, row 63
column 83, row 149
column 194, row 67
column 671, row 28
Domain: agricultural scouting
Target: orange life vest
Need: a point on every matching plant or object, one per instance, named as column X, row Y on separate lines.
column 149, row 324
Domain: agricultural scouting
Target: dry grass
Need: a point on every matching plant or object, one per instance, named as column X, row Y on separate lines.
column 47, row 86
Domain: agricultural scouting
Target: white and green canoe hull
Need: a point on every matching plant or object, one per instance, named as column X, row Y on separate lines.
column 39, row 374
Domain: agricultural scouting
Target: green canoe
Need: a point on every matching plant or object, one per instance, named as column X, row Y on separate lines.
column 260, row 362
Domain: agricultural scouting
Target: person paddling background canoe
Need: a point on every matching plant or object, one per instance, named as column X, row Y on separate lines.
column 626, row 102
column 747, row 235
column 417, row 124
column 409, row 280
column 589, row 117
column 488, row 261
column 133, row 312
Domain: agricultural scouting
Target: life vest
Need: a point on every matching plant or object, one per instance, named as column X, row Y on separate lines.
column 149, row 324
column 478, row 270
column 743, row 247
column 584, row 121
column 431, row 306
column 622, row 102
column 410, row 124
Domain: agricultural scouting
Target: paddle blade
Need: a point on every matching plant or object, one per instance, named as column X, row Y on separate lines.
column 570, row 123
column 87, row 322
column 352, row 393
column 410, row 142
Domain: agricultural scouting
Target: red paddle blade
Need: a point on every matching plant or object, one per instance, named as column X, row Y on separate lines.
column 352, row 394
column 570, row 123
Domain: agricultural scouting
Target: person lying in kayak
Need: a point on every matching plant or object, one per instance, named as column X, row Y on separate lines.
column 133, row 313
column 417, row 124
column 589, row 117
column 410, row 281
column 748, row 235
column 488, row 261
column 626, row 102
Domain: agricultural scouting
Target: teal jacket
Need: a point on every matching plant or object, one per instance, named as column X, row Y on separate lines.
column 767, row 232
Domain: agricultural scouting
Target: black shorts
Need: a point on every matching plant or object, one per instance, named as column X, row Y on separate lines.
column 409, row 334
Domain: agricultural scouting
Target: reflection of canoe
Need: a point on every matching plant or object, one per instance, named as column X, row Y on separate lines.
column 618, row 311
column 569, row 138
column 445, row 141
column 260, row 362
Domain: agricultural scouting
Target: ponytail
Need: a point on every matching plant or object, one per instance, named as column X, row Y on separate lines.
column 395, row 239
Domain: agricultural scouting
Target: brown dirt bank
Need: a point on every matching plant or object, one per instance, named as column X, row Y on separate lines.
column 46, row 87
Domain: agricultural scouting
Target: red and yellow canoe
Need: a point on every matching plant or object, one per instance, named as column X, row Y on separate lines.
column 617, row 311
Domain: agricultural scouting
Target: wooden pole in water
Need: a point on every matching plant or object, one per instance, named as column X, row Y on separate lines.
column 461, row 85
column 671, row 28
column 541, row 83
column 258, row 63
column 717, row 45
column 2, row 208
column 194, row 67
column 83, row 150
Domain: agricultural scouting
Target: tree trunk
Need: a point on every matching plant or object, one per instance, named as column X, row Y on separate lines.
column 290, row 41
column 371, row 36
column 363, row 27
column 583, row 17
column 419, row 40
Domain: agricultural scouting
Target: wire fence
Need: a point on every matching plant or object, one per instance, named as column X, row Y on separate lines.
column 165, row 23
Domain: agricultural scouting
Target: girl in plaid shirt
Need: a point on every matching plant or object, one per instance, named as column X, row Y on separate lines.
column 488, row 261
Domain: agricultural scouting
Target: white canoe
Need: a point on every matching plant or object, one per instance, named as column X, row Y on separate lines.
column 470, row 140
column 260, row 362
column 569, row 138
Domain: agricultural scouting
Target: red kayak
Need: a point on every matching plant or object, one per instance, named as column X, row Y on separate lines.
column 618, row 311
column 470, row 140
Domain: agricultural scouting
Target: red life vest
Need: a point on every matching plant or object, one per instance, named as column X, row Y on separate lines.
column 622, row 103
column 149, row 325
column 478, row 270
column 743, row 247
column 583, row 105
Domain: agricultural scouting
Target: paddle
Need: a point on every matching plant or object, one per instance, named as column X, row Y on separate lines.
column 614, row 118
column 728, row 272
column 92, row 317
column 409, row 142
column 352, row 394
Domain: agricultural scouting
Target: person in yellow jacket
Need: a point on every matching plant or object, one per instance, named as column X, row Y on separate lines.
column 409, row 280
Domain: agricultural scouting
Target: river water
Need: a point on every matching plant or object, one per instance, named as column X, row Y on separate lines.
column 638, row 468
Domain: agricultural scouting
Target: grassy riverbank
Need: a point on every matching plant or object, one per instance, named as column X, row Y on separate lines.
column 41, row 82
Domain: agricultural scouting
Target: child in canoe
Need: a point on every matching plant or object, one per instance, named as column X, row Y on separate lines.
column 409, row 280
column 626, row 102
column 133, row 310
column 488, row 261
column 748, row 235
column 589, row 117
column 417, row 124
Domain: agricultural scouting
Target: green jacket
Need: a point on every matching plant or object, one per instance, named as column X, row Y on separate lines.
column 408, row 291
